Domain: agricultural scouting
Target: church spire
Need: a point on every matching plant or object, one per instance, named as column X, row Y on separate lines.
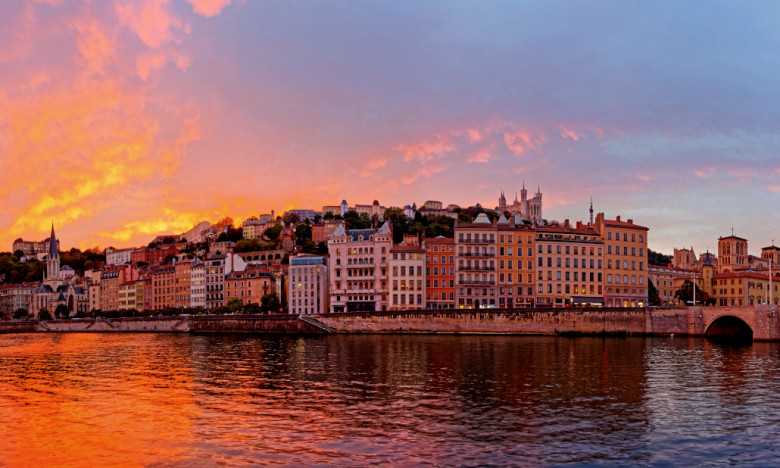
column 53, row 250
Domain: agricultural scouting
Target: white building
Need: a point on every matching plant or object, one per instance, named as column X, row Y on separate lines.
column 308, row 285
column 406, row 277
column 358, row 269
column 118, row 256
column 198, row 284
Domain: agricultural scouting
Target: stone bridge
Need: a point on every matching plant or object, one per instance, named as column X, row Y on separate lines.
column 759, row 322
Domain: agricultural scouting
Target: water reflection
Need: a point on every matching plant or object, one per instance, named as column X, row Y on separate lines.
column 87, row 399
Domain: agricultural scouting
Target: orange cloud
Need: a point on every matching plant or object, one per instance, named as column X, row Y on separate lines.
column 151, row 20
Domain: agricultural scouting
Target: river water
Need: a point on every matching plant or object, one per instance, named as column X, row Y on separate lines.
column 197, row 400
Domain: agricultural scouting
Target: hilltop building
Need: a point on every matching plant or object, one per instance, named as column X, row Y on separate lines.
column 528, row 208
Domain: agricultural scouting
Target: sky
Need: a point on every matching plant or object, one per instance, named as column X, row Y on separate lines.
column 124, row 119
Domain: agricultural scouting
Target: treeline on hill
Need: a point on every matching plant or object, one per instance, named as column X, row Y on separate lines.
column 16, row 271
column 658, row 259
column 269, row 304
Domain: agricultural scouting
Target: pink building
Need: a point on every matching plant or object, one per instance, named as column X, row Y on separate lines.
column 358, row 269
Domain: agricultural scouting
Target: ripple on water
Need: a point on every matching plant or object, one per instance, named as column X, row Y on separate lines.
column 150, row 399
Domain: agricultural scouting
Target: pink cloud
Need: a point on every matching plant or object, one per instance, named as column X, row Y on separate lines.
column 577, row 131
column 518, row 141
column 208, row 7
column 425, row 171
column 151, row 20
column 369, row 169
column 427, row 150
column 479, row 157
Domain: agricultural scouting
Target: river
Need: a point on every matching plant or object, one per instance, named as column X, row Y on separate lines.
column 216, row 400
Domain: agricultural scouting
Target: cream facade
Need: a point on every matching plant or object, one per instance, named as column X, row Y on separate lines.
column 407, row 277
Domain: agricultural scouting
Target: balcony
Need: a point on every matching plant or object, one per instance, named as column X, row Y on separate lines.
column 477, row 268
column 477, row 241
column 478, row 254
column 475, row 283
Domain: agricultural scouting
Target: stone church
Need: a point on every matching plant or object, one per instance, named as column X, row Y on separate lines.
column 528, row 209
column 55, row 288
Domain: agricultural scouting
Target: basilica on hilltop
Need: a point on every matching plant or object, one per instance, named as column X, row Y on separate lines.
column 528, row 209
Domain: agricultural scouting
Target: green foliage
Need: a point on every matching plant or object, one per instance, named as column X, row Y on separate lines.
column 273, row 232
column 252, row 308
column 355, row 220
column 235, row 305
column 231, row 235
column 303, row 234
column 18, row 253
column 20, row 313
column 16, row 272
column 270, row 303
column 44, row 314
column 685, row 294
column 291, row 218
column 62, row 312
column 659, row 259
column 653, row 298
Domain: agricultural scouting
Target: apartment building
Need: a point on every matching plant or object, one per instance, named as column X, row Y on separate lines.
column 358, row 269
column 569, row 266
column 439, row 273
column 475, row 264
column 308, row 285
column 406, row 277
column 625, row 269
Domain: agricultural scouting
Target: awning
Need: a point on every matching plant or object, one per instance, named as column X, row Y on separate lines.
column 587, row 300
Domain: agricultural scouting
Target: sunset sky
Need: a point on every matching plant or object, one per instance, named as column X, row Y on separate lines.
column 122, row 119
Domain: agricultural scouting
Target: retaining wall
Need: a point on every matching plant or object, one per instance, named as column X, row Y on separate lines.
column 514, row 321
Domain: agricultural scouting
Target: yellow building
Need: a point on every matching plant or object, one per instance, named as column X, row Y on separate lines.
column 515, row 263
column 625, row 272
column 569, row 262
column 407, row 277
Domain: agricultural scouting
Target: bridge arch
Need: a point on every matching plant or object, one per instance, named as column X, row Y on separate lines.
column 729, row 327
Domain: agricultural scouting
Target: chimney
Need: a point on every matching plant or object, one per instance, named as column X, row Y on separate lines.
column 630, row 221
column 617, row 219
column 579, row 224
column 566, row 224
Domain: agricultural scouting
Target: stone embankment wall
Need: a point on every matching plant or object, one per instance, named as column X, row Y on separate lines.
column 276, row 323
column 19, row 327
column 513, row 321
column 184, row 324
column 763, row 320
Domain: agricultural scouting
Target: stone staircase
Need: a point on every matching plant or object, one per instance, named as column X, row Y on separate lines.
column 316, row 323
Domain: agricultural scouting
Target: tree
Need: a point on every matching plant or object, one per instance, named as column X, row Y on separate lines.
column 252, row 308
column 273, row 232
column 291, row 218
column 659, row 259
column 270, row 303
column 20, row 313
column 652, row 294
column 224, row 223
column 18, row 253
column 44, row 314
column 685, row 294
column 398, row 220
column 62, row 311
column 235, row 305
column 302, row 233
column 317, row 219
